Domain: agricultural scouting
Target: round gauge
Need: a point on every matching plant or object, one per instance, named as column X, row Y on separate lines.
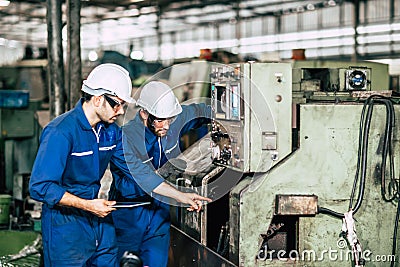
column 357, row 79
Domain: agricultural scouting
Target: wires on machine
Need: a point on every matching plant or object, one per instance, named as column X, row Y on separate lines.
column 390, row 192
column 389, row 185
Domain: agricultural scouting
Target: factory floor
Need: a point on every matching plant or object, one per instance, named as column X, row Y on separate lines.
column 20, row 248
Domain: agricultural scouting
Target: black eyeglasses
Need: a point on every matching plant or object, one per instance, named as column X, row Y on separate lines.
column 115, row 104
column 160, row 121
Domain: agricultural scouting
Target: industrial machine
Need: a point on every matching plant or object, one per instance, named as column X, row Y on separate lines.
column 302, row 164
column 23, row 113
column 23, row 97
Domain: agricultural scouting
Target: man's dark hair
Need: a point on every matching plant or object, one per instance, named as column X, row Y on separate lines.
column 86, row 96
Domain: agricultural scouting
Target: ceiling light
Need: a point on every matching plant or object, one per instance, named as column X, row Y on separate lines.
column 93, row 56
column 4, row 3
column 132, row 12
column 12, row 43
column 331, row 3
column 192, row 19
column 136, row 54
column 147, row 10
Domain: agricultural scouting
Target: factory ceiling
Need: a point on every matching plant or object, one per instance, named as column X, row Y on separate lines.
column 25, row 20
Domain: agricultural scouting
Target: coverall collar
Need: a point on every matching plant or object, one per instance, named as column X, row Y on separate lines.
column 149, row 136
column 82, row 119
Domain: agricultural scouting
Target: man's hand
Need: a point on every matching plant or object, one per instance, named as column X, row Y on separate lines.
column 194, row 200
column 99, row 207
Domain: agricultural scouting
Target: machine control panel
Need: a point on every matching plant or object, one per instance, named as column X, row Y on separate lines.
column 251, row 105
column 227, row 130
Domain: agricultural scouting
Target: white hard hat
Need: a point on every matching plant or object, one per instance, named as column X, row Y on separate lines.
column 159, row 100
column 110, row 79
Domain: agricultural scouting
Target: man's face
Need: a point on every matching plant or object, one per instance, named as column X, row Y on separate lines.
column 158, row 126
column 112, row 108
column 161, row 126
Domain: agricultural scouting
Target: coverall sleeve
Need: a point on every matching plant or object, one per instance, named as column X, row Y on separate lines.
column 130, row 170
column 46, row 178
column 194, row 116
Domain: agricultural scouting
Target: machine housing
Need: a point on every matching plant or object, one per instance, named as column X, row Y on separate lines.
column 296, row 154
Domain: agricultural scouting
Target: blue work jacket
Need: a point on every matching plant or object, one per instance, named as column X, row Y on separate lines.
column 73, row 157
column 140, row 142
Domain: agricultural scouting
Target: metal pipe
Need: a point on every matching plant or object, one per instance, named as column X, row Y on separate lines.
column 356, row 24
column 55, row 57
column 74, row 73
column 238, row 30
column 158, row 34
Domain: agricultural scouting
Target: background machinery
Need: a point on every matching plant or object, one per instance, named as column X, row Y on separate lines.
column 23, row 114
column 23, row 104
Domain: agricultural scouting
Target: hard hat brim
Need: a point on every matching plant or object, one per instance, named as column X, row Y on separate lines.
column 176, row 111
column 101, row 91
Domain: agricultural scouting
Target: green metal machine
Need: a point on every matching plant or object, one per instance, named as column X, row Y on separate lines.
column 23, row 92
column 22, row 95
column 315, row 168
column 19, row 136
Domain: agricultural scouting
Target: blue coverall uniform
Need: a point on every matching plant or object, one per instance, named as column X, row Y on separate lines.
column 73, row 157
column 146, row 229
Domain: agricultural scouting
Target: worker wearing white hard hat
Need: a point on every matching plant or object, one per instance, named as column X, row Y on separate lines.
column 109, row 79
column 153, row 136
column 75, row 150
column 158, row 99
column 160, row 107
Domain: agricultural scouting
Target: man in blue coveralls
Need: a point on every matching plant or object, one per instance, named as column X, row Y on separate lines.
column 75, row 150
column 153, row 136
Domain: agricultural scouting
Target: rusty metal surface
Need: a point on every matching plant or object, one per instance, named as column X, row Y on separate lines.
column 366, row 94
column 296, row 204
column 187, row 252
